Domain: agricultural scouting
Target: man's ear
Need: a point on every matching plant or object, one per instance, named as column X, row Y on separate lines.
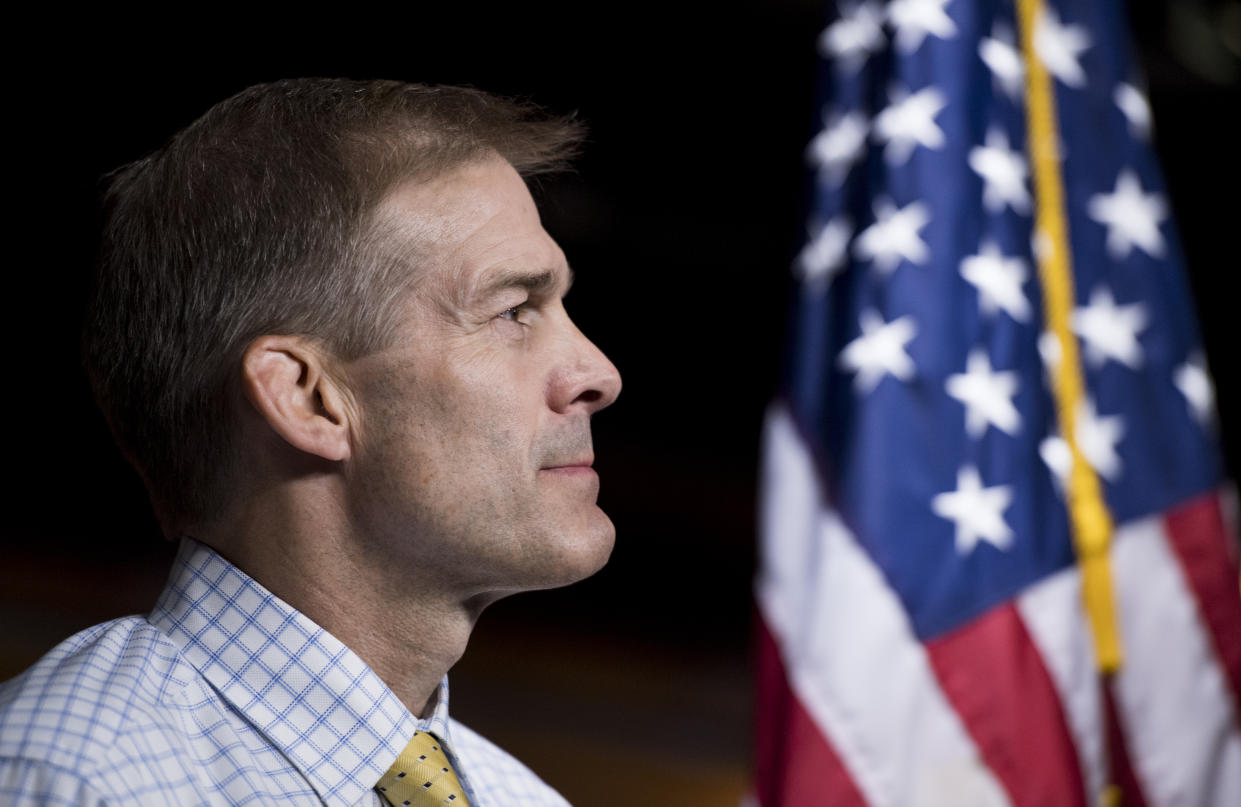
column 285, row 381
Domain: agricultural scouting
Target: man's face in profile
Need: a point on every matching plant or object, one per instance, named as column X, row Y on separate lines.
column 473, row 465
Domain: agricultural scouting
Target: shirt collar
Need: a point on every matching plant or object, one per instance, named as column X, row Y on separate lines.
column 314, row 699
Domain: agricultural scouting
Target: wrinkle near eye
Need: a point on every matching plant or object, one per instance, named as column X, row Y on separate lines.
column 536, row 283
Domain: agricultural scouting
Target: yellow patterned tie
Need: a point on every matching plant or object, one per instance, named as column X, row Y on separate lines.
column 422, row 776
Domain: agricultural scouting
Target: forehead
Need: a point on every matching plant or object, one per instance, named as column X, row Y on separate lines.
column 464, row 227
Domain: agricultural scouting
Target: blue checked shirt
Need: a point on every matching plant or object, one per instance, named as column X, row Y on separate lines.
column 223, row 695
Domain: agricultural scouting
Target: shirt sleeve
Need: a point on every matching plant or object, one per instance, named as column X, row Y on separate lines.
column 34, row 783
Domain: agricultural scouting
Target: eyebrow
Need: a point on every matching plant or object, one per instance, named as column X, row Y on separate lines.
column 534, row 282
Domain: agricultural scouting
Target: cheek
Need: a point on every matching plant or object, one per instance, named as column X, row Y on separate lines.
column 493, row 401
column 473, row 415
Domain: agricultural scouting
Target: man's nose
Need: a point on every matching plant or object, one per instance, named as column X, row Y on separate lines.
column 586, row 380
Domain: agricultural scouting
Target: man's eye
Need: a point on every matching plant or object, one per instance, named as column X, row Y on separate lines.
column 513, row 314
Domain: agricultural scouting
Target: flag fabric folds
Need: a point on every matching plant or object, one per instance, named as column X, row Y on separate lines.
column 998, row 559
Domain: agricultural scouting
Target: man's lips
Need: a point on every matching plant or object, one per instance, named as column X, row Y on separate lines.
column 570, row 466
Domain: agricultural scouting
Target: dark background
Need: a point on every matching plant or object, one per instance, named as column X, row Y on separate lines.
column 680, row 222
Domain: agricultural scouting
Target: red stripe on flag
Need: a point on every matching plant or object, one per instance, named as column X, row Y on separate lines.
column 1121, row 768
column 795, row 765
column 993, row 675
column 1200, row 540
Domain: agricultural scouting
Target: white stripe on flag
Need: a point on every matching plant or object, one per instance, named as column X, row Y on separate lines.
column 851, row 656
column 1052, row 612
column 1171, row 694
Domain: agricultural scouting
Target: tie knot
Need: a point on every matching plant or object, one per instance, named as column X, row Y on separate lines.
column 422, row 776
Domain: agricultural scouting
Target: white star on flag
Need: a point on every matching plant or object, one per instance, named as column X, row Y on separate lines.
column 894, row 236
column 824, row 255
column 977, row 512
column 1096, row 438
column 1059, row 46
column 857, row 34
column 909, row 121
column 1110, row 331
column 879, row 351
column 1194, row 382
column 1059, row 459
column 999, row 53
column 998, row 280
column 1134, row 107
column 840, row 144
column 1131, row 217
column 1003, row 173
column 987, row 395
column 914, row 19
column 1049, row 350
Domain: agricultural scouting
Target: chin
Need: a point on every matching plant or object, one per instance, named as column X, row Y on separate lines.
column 578, row 553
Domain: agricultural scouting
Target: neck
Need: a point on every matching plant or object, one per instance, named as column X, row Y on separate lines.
column 303, row 552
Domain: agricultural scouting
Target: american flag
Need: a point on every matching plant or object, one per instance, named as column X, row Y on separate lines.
column 999, row 562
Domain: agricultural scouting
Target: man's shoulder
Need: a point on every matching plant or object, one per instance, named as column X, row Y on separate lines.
column 94, row 694
column 497, row 776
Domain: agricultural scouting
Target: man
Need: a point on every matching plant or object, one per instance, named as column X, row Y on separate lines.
column 329, row 332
